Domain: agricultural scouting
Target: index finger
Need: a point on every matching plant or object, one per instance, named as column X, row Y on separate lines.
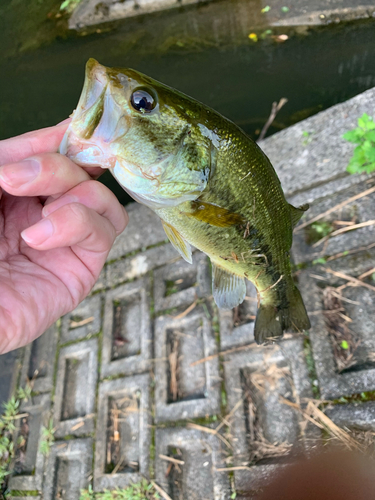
column 45, row 140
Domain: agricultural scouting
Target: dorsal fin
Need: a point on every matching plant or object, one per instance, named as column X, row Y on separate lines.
column 228, row 289
column 296, row 213
column 179, row 243
column 214, row 215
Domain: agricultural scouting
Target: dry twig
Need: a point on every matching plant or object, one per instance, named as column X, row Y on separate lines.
column 336, row 207
column 274, row 110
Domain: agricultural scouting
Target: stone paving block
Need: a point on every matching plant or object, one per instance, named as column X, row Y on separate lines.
column 337, row 379
column 249, row 485
column 198, row 478
column 144, row 229
column 237, row 325
column 184, row 390
column 127, row 332
column 84, row 320
column 68, row 469
column 140, row 264
column 180, row 284
column 29, row 462
column 39, row 361
column 10, row 364
column 302, row 163
column 122, row 452
column 256, row 380
column 24, row 498
column 356, row 416
column 359, row 211
column 75, row 389
column 101, row 281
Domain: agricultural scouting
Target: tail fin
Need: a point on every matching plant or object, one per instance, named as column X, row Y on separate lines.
column 270, row 322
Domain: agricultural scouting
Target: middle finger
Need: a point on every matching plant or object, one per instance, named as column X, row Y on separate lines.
column 48, row 174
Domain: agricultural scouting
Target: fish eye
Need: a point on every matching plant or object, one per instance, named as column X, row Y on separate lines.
column 143, row 101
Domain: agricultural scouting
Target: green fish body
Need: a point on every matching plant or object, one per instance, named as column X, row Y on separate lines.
column 209, row 183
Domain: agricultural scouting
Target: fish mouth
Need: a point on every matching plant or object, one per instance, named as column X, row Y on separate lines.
column 98, row 113
column 98, row 120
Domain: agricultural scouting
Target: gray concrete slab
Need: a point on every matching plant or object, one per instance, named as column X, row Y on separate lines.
column 127, row 332
column 140, row 264
column 84, row 320
column 198, row 477
column 359, row 376
column 122, row 452
column 300, row 12
column 77, row 373
column 355, row 416
column 68, row 469
column 38, row 361
column 29, row 463
column 305, row 162
column 180, row 284
column 182, row 389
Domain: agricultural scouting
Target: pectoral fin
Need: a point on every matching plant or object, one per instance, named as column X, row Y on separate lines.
column 297, row 213
column 228, row 289
column 214, row 215
column 179, row 243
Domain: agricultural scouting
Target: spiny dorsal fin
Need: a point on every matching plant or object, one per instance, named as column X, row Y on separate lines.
column 228, row 289
column 179, row 243
column 297, row 213
column 214, row 215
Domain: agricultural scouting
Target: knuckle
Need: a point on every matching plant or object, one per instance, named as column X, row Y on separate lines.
column 80, row 213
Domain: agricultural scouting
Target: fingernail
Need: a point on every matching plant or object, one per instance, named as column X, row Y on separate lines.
column 20, row 173
column 39, row 232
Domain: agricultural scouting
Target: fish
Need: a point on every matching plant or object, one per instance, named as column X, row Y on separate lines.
column 210, row 184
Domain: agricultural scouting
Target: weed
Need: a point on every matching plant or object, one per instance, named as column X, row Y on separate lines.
column 363, row 159
column 7, row 427
column 47, row 439
column 139, row 491
column 317, row 230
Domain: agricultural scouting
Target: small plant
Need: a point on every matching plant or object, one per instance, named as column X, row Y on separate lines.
column 48, row 438
column 7, row 427
column 363, row 159
column 139, row 491
column 318, row 230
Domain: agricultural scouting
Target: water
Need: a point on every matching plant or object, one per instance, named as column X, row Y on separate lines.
column 313, row 69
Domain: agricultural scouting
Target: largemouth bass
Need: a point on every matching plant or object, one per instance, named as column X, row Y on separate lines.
column 209, row 183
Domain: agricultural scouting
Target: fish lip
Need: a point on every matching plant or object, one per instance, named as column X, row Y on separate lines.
column 93, row 88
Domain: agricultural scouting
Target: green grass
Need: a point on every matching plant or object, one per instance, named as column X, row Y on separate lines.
column 48, row 438
column 7, row 427
column 139, row 491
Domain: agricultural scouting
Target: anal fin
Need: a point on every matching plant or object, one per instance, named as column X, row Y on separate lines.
column 228, row 289
column 179, row 243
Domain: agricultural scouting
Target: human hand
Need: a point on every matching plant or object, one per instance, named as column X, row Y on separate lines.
column 57, row 226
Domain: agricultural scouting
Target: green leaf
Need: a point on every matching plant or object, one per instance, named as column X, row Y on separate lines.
column 366, row 122
column 344, row 344
column 370, row 168
column 370, row 154
column 354, row 136
column 370, row 135
column 284, row 9
column 321, row 260
column 267, row 8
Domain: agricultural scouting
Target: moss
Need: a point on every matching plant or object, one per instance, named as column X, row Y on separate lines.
column 311, row 366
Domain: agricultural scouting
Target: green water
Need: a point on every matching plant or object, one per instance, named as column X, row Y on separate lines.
column 224, row 69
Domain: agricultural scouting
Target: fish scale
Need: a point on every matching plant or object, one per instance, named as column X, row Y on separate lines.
column 209, row 183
